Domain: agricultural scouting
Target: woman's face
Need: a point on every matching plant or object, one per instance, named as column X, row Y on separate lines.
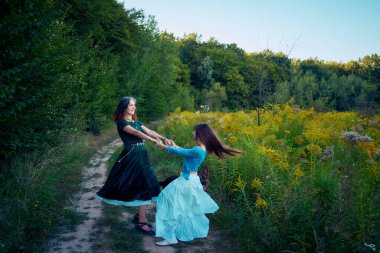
column 130, row 110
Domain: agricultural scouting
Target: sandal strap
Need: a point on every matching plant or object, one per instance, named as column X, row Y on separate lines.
column 140, row 227
column 144, row 223
column 141, row 224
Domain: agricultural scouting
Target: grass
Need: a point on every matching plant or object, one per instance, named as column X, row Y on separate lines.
column 120, row 236
column 35, row 189
column 308, row 204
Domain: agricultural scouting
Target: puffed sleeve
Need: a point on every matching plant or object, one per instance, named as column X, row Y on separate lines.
column 122, row 123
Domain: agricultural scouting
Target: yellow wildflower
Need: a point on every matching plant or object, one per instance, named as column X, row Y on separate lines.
column 248, row 132
column 232, row 139
column 314, row 149
column 299, row 140
column 261, row 130
column 265, row 150
column 240, row 184
column 260, row 202
column 270, row 139
column 314, row 132
column 302, row 154
column 278, row 159
column 375, row 170
column 298, row 172
column 256, row 183
column 368, row 147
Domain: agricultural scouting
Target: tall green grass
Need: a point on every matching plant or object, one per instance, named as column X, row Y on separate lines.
column 35, row 188
column 333, row 207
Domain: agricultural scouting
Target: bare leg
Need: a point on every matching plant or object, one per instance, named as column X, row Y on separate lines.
column 142, row 219
column 142, row 213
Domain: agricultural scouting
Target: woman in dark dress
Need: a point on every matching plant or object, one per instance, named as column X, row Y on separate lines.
column 132, row 181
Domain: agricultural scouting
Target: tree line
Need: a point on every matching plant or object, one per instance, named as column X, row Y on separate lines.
column 64, row 64
column 240, row 80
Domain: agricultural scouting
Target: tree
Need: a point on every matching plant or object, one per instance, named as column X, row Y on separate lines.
column 204, row 73
column 216, row 97
column 236, row 89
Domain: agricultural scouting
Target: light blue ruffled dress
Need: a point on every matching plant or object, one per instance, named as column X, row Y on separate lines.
column 182, row 205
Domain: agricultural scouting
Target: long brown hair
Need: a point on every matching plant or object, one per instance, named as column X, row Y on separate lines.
column 207, row 136
column 123, row 104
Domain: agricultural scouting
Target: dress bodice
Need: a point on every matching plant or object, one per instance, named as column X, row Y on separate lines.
column 127, row 138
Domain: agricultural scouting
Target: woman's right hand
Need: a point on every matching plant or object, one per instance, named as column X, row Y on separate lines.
column 169, row 142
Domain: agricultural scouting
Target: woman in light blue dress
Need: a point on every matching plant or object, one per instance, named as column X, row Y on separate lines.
column 182, row 205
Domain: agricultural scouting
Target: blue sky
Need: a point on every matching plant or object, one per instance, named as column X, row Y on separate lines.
column 335, row 30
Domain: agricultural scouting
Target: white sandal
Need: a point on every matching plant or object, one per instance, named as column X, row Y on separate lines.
column 164, row 243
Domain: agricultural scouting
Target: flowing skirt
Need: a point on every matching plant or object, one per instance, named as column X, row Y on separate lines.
column 132, row 181
column 181, row 209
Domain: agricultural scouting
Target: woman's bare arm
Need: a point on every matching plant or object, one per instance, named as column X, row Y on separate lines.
column 139, row 134
column 152, row 133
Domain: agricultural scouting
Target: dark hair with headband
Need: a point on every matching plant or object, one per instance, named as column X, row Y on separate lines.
column 123, row 104
column 207, row 136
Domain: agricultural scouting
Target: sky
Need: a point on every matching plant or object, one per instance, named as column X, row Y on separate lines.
column 330, row 30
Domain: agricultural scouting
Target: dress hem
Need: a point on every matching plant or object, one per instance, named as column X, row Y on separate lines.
column 127, row 203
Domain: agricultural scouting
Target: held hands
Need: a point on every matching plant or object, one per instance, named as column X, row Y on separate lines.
column 164, row 144
column 160, row 144
column 169, row 142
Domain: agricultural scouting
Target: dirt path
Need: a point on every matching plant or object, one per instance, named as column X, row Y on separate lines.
column 86, row 204
column 83, row 236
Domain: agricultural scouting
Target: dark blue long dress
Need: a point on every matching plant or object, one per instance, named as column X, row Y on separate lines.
column 132, row 181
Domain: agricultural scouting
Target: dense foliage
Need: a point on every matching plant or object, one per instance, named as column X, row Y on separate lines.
column 308, row 181
column 65, row 64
